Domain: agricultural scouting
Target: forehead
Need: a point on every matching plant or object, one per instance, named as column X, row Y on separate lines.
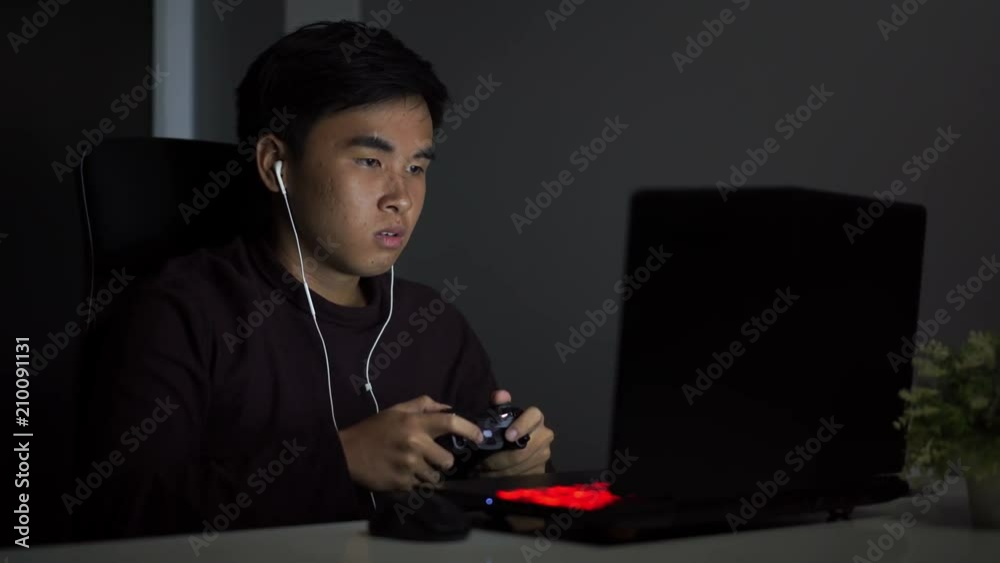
column 403, row 121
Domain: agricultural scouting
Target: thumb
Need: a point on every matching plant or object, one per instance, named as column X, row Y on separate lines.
column 422, row 404
column 501, row 396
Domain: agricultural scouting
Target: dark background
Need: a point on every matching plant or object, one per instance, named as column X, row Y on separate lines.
column 607, row 59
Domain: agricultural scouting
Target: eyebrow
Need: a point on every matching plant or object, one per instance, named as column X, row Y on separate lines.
column 381, row 144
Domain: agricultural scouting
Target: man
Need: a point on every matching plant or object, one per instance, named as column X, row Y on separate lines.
column 216, row 388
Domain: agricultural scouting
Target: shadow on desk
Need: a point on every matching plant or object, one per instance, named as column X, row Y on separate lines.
column 552, row 530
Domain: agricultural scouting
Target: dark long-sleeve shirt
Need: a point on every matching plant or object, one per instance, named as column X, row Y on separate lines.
column 213, row 389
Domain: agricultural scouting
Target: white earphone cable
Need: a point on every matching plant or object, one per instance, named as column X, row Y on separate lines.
column 368, row 385
column 305, row 282
column 312, row 309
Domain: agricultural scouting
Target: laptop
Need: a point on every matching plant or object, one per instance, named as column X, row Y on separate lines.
column 755, row 380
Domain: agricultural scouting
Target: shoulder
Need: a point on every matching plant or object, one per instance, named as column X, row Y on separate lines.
column 206, row 282
column 228, row 264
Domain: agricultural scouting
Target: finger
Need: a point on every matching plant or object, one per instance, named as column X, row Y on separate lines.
column 422, row 404
column 525, row 424
column 534, row 470
column 540, row 440
column 500, row 396
column 435, row 456
column 404, row 478
column 439, row 424
column 431, row 476
column 506, row 459
column 415, row 470
column 533, row 464
column 410, row 482
column 426, row 471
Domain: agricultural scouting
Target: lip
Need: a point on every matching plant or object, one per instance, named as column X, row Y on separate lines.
column 393, row 240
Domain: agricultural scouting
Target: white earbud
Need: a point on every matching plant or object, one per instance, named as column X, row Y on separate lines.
column 277, row 172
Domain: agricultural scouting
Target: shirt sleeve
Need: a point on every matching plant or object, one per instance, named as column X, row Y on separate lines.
column 150, row 402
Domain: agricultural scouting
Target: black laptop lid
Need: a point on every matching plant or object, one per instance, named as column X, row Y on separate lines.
column 811, row 372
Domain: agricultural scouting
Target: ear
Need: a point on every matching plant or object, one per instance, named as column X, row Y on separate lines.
column 270, row 150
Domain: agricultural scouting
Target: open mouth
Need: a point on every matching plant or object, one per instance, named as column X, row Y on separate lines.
column 390, row 238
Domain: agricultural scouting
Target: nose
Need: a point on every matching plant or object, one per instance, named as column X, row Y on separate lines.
column 396, row 198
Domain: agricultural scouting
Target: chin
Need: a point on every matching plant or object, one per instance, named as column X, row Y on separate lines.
column 376, row 266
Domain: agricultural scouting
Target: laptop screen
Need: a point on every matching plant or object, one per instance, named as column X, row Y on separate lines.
column 760, row 350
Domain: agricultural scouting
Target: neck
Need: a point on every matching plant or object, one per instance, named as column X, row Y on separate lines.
column 336, row 287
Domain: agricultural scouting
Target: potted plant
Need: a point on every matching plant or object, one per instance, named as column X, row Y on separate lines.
column 953, row 413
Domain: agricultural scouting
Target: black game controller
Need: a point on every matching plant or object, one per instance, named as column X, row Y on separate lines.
column 493, row 423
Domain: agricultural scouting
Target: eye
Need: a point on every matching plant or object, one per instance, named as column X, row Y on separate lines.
column 415, row 169
column 369, row 162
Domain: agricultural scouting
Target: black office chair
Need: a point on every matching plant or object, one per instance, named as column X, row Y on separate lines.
column 145, row 200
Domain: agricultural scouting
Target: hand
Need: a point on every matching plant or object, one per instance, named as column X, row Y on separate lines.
column 395, row 449
column 527, row 461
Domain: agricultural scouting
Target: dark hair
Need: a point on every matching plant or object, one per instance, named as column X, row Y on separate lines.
column 325, row 67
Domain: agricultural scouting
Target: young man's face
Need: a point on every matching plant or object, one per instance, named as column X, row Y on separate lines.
column 359, row 185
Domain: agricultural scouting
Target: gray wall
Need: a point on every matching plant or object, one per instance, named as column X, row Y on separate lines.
column 207, row 47
column 303, row 12
column 614, row 59
column 224, row 49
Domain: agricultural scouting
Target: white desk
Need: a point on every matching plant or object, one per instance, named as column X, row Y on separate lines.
column 941, row 535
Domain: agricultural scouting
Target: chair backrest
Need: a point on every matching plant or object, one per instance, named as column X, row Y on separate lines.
column 145, row 200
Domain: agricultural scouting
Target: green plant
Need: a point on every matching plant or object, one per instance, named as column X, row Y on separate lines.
column 956, row 414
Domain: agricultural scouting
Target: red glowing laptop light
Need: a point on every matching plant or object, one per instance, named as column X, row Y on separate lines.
column 583, row 496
